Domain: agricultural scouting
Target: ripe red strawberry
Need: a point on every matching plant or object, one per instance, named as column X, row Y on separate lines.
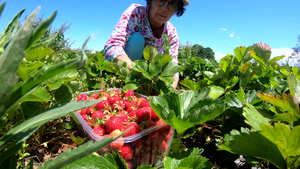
column 114, row 92
column 89, row 123
column 126, row 152
column 117, row 144
column 113, row 99
column 91, row 98
column 103, row 105
column 131, row 99
column 118, row 106
column 139, row 100
column 129, row 163
column 165, row 130
column 103, row 93
column 125, row 103
column 163, row 146
column 83, row 111
column 123, row 116
column 84, row 116
column 168, row 136
column 154, row 116
column 157, row 138
column 81, row 97
column 134, row 130
column 132, row 115
column 143, row 114
column 113, row 123
column 95, row 95
column 129, row 92
column 100, row 131
column 143, row 103
column 97, row 114
column 152, row 123
column 89, row 110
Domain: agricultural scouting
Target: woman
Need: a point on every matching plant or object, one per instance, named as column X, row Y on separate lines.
column 142, row 26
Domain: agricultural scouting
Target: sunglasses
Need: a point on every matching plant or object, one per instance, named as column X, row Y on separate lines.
column 173, row 5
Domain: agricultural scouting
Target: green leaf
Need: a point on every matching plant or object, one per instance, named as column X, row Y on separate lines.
column 149, row 52
column 154, row 68
column 287, row 140
column 39, row 31
column 170, row 69
column 63, row 95
column 38, row 54
column 240, row 52
column 12, row 57
column 253, row 144
column 245, row 79
column 254, row 118
column 70, row 156
column 92, row 162
column 2, row 7
column 275, row 59
column 293, row 85
column 78, row 140
column 27, row 69
column 10, row 29
column 16, row 145
column 187, row 159
column 285, row 102
column 187, row 109
column 140, row 67
column 188, row 83
column 50, row 114
column 40, row 77
column 38, row 95
column 216, row 91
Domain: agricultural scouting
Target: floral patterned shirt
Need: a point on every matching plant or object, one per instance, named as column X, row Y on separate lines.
column 135, row 19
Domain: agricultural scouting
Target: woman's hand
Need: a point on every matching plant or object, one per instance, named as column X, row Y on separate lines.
column 124, row 58
column 175, row 83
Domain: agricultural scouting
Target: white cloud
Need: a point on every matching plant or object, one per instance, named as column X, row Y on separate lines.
column 231, row 35
column 223, row 29
column 281, row 51
column 219, row 56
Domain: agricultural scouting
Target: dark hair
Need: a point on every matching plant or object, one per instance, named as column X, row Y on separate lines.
column 179, row 11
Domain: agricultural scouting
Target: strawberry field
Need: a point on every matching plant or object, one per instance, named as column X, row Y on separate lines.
column 63, row 108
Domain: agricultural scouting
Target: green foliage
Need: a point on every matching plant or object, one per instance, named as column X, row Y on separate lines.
column 185, row 110
column 109, row 161
column 149, row 76
column 15, row 92
column 187, row 159
column 277, row 144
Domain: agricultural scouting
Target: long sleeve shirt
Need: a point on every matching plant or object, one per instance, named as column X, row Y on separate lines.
column 135, row 19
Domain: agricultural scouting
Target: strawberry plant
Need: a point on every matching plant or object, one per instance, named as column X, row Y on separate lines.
column 275, row 140
column 15, row 44
column 149, row 76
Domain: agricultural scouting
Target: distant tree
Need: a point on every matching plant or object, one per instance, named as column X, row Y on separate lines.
column 200, row 51
column 295, row 57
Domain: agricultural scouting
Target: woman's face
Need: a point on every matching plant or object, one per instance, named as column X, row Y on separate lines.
column 158, row 15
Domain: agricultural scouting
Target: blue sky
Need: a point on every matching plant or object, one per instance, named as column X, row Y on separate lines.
column 218, row 24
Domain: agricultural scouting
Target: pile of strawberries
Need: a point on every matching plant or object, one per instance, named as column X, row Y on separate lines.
column 119, row 110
